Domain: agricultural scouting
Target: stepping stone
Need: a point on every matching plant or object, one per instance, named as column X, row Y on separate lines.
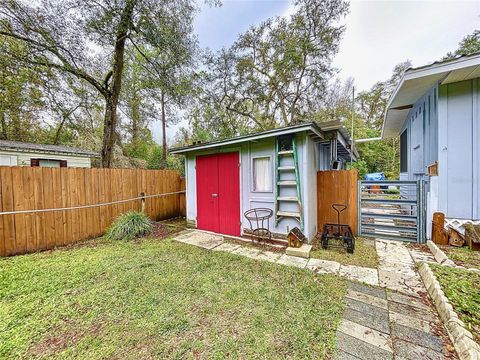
column 342, row 355
column 407, row 300
column 414, row 312
column 323, row 266
column 393, row 280
column 417, row 337
column 200, row 239
column 247, row 252
column 366, row 275
column 360, row 306
column 303, row 251
column 366, row 289
column 368, row 299
column 292, row 261
column 377, row 339
column 414, row 323
column 408, row 351
column 229, row 247
column 374, row 320
column 360, row 349
column 268, row 256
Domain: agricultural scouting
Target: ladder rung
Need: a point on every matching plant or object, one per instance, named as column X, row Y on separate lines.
column 285, row 152
column 287, row 198
column 286, row 168
column 287, row 183
column 288, row 214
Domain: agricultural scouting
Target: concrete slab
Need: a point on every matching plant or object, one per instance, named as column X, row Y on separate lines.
column 323, row 266
column 407, row 351
column 228, row 247
column 417, row 337
column 303, row 251
column 292, row 261
column 268, row 256
column 247, row 252
column 425, row 315
column 361, row 349
column 398, row 281
column 411, row 322
column 366, row 289
column 368, row 299
column 364, row 307
column 200, row 239
column 407, row 300
column 366, row 275
column 375, row 320
column 342, row 355
column 363, row 333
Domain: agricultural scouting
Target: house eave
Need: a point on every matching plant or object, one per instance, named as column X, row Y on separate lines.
column 417, row 82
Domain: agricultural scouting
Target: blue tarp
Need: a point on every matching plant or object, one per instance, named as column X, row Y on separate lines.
column 375, row 176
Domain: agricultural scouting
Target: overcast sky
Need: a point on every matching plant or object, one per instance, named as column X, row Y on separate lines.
column 379, row 34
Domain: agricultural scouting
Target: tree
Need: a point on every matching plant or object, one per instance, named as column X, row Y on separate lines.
column 276, row 73
column 20, row 94
column 470, row 44
column 87, row 40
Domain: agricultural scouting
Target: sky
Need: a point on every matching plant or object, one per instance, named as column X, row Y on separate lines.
column 379, row 34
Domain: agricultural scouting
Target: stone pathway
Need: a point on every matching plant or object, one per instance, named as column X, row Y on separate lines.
column 389, row 321
column 215, row 242
column 384, row 324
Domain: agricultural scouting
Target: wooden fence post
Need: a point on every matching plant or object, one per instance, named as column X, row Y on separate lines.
column 142, row 194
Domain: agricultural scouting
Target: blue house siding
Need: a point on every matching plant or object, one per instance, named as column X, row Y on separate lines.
column 459, row 150
column 421, row 126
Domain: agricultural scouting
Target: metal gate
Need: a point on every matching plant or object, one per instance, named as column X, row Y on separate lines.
column 392, row 210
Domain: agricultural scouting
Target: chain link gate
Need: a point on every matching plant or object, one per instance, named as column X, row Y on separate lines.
column 392, row 210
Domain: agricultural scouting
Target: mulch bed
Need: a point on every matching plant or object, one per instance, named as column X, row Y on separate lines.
column 161, row 231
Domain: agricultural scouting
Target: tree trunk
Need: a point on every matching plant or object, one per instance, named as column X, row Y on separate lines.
column 164, row 132
column 111, row 98
column 3, row 134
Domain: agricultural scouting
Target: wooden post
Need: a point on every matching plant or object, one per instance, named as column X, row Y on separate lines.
column 142, row 194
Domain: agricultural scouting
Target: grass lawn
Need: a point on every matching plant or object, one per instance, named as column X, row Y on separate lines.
column 364, row 255
column 463, row 256
column 462, row 288
column 162, row 299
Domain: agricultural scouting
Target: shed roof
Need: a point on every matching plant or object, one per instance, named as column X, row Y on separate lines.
column 291, row 129
column 42, row 148
column 417, row 81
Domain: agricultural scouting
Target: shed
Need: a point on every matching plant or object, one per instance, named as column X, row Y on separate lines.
column 15, row 153
column 435, row 111
column 275, row 169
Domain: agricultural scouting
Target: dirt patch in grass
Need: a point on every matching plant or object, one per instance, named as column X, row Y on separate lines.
column 364, row 255
column 462, row 288
column 463, row 256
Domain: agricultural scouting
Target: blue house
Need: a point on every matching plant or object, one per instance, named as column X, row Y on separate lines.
column 435, row 110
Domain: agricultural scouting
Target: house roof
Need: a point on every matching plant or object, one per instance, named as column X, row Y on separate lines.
column 417, row 81
column 41, row 148
column 291, row 129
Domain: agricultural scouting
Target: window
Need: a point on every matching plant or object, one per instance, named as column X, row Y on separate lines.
column 404, row 152
column 262, row 174
column 48, row 162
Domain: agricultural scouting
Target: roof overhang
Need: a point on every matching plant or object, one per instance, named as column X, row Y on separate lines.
column 417, row 82
column 310, row 127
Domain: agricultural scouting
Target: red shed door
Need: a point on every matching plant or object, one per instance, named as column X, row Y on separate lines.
column 218, row 193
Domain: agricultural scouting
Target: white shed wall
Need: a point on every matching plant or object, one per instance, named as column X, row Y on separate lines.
column 23, row 158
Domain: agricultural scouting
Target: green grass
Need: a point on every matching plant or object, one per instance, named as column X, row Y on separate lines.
column 162, row 299
column 463, row 256
column 364, row 255
column 462, row 288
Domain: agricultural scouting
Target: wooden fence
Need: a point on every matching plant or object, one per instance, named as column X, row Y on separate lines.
column 337, row 187
column 34, row 188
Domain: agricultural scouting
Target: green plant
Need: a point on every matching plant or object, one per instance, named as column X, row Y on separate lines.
column 130, row 225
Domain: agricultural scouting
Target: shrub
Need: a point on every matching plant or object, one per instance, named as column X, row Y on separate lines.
column 130, row 225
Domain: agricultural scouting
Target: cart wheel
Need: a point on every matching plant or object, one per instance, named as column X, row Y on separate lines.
column 350, row 246
column 324, row 242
